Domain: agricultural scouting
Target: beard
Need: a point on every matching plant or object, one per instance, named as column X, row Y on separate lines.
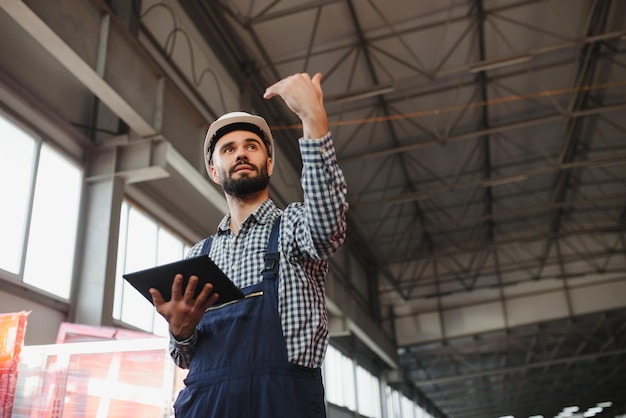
column 245, row 185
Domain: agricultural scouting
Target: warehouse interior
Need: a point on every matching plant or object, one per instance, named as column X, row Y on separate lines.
column 483, row 143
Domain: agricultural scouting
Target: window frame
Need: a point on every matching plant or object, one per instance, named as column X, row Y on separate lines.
column 129, row 204
column 14, row 282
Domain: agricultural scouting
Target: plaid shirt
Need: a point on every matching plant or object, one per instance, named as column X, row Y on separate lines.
column 310, row 232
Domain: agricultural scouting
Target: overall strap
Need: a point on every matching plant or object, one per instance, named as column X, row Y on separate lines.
column 272, row 255
column 206, row 246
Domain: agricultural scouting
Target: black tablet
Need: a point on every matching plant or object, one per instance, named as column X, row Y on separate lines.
column 161, row 278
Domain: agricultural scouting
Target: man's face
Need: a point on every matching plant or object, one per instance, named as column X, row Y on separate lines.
column 240, row 164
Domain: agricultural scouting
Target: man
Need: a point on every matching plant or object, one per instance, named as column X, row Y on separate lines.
column 261, row 356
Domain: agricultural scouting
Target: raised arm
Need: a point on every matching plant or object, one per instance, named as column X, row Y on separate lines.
column 322, row 228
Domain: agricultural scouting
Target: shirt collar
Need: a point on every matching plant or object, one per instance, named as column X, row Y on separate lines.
column 261, row 215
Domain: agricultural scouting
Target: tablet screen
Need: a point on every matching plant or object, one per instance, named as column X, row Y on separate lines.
column 161, row 278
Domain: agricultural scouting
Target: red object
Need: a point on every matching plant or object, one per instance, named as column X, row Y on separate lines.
column 12, row 327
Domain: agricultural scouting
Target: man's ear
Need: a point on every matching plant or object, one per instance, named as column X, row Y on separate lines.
column 270, row 166
column 214, row 176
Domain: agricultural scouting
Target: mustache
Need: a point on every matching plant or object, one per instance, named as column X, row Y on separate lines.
column 240, row 163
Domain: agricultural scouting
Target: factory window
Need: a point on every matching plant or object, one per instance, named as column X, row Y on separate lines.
column 41, row 191
column 143, row 243
column 368, row 393
column 339, row 379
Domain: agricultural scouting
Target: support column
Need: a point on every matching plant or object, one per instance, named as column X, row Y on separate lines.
column 96, row 281
column 110, row 169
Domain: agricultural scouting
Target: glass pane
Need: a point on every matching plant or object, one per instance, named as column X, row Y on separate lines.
column 407, row 407
column 393, row 403
column 143, row 243
column 368, row 389
column 170, row 247
column 349, row 393
column 17, row 151
column 52, row 237
column 332, row 376
column 141, row 250
column 339, row 379
column 160, row 325
column 136, row 310
column 121, row 262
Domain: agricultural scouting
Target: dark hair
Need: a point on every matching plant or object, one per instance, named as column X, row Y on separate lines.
column 238, row 126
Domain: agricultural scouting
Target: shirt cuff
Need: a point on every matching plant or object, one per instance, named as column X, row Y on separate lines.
column 191, row 340
column 317, row 150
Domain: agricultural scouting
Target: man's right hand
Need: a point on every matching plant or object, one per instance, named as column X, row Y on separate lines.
column 304, row 96
column 183, row 312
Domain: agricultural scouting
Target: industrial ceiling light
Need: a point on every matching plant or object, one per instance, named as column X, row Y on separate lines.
column 592, row 412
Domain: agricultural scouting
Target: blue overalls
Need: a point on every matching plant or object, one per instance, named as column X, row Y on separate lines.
column 240, row 367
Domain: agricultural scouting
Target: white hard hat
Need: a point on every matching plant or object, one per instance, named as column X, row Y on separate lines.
column 236, row 121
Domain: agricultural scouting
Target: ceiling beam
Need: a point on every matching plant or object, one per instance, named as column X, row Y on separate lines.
column 517, row 369
column 484, row 125
column 599, row 201
column 418, row 144
column 613, row 159
column 596, row 24
column 77, row 66
column 427, row 280
column 363, row 45
column 267, row 14
column 407, row 83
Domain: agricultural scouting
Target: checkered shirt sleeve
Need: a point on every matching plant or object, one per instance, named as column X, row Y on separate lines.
column 311, row 231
